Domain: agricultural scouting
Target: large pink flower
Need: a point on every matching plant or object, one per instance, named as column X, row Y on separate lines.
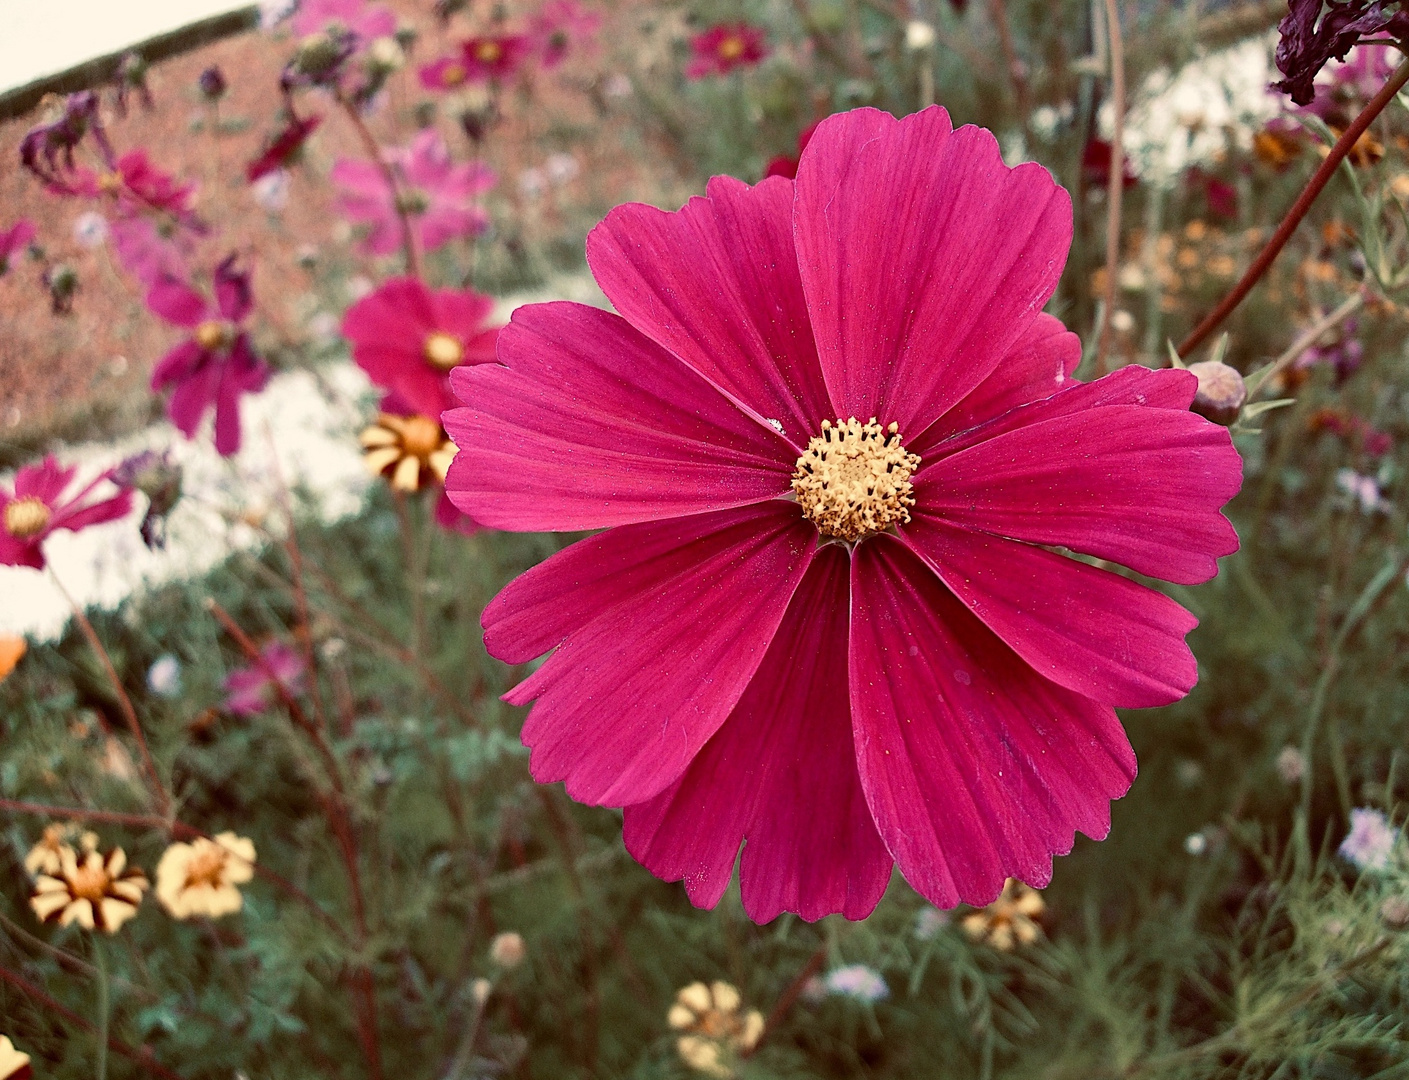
column 37, row 508
column 217, row 363
column 438, row 195
column 407, row 338
column 791, row 633
column 136, row 184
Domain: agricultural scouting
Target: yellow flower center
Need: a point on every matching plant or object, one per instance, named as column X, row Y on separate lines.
column 488, row 52
column 854, row 479
column 110, row 182
column 89, row 882
column 453, row 74
column 213, row 334
column 731, row 48
column 207, row 867
column 26, row 517
column 444, row 350
column 421, row 436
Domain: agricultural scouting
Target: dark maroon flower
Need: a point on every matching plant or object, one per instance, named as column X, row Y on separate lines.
column 1305, row 47
column 283, row 148
column 212, row 83
column 786, row 164
column 47, row 150
column 216, row 364
column 1096, row 165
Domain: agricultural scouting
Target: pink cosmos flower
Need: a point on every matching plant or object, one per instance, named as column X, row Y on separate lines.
column 137, row 185
column 559, row 27
column 437, row 193
column 14, row 239
column 480, row 59
column 408, row 337
column 146, row 252
column 843, row 642
column 37, row 507
column 216, row 364
column 366, row 21
column 252, row 690
column 721, row 49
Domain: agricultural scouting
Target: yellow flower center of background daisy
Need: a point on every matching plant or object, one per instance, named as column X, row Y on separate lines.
column 452, row 74
column 213, row 334
column 487, row 52
column 207, row 867
column 444, row 350
column 854, row 479
column 731, row 48
column 89, row 882
column 26, row 517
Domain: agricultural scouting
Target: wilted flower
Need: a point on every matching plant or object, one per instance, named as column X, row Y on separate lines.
column 97, row 893
column 1305, row 47
column 749, row 656
column 409, row 451
column 212, row 368
column 436, row 194
column 1370, row 841
column 90, row 229
column 508, row 950
column 16, row 238
column 252, row 690
column 715, row 1029
column 157, row 477
column 721, row 49
column 12, row 650
column 45, row 856
column 202, row 877
column 560, row 26
column 1010, row 919
column 37, row 508
column 407, row 337
column 283, row 148
column 857, row 981
column 48, row 150
column 164, row 676
column 13, row 1064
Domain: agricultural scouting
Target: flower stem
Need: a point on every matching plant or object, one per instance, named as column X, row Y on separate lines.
column 788, row 998
column 1115, row 182
column 100, row 961
column 1319, row 179
column 369, row 142
column 1309, row 337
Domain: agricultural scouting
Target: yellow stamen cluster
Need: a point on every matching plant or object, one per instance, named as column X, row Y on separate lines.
column 97, row 893
column 214, row 334
column 732, row 47
column 408, row 450
column 443, row 351
column 488, row 52
column 202, row 877
column 854, row 479
column 26, row 517
column 1010, row 919
column 715, row 1029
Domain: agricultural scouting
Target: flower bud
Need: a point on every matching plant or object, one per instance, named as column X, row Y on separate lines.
column 62, row 282
column 212, row 84
column 1222, row 392
column 508, row 950
column 385, row 56
column 480, row 990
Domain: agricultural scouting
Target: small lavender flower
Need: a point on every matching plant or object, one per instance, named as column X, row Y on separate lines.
column 90, row 229
column 1362, row 489
column 1291, row 766
column 271, row 191
column 164, row 676
column 1370, row 840
column 929, row 921
column 858, row 981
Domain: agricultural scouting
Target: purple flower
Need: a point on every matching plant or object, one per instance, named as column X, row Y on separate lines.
column 47, row 150
column 216, row 364
column 1305, row 47
column 857, row 981
column 252, row 690
column 1370, row 841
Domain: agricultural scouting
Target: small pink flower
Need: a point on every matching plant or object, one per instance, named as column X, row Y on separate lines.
column 721, row 49
column 37, row 508
column 15, row 239
column 479, row 60
column 137, row 185
column 561, row 26
column 216, row 364
column 366, row 21
column 835, row 444
column 252, row 690
column 437, row 194
column 146, row 252
column 407, row 338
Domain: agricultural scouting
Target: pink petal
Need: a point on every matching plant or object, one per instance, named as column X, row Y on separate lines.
column 924, row 259
column 1140, row 486
column 781, row 774
column 627, row 700
column 592, row 425
column 717, row 284
column 109, row 509
column 45, row 481
column 178, row 364
column 1089, row 630
column 178, row 303
column 976, row 769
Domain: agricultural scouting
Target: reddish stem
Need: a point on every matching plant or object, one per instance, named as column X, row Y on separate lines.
column 408, row 235
column 788, row 998
column 1318, row 181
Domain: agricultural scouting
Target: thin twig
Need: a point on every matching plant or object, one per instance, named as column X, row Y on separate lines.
column 1115, row 183
column 998, row 12
column 1318, row 181
column 1309, row 337
column 788, row 998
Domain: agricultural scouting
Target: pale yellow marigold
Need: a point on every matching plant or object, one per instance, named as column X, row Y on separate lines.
column 1009, row 920
column 201, row 878
column 715, row 1030
column 43, row 858
column 97, row 893
column 13, row 1064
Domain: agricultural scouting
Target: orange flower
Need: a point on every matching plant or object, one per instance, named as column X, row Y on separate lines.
column 12, row 650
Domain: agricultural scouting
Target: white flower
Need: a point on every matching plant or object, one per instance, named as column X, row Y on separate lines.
column 1370, row 841
column 929, row 921
column 532, row 183
column 164, row 676
column 273, row 12
column 508, row 950
column 918, row 35
column 1291, row 766
column 1362, row 489
column 90, row 229
column 561, row 168
column 271, row 191
column 857, row 981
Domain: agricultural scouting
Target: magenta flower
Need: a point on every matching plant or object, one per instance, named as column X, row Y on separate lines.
column 283, row 147
column 479, row 60
column 721, row 49
column 252, row 690
column 136, row 184
column 408, row 337
column 365, row 21
column 37, row 507
column 146, row 252
column 560, row 26
column 832, row 439
column 14, row 239
column 216, row 364
column 437, row 194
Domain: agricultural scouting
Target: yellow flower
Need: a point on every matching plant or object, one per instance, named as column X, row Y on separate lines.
column 408, row 450
column 12, row 651
column 97, row 894
column 13, row 1064
column 1009, row 919
column 200, row 878
column 43, row 858
column 714, row 1029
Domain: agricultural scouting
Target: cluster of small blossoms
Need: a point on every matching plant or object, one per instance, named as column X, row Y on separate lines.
column 75, row 882
column 715, row 1029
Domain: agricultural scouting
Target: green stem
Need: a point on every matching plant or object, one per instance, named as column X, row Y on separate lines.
column 100, row 961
